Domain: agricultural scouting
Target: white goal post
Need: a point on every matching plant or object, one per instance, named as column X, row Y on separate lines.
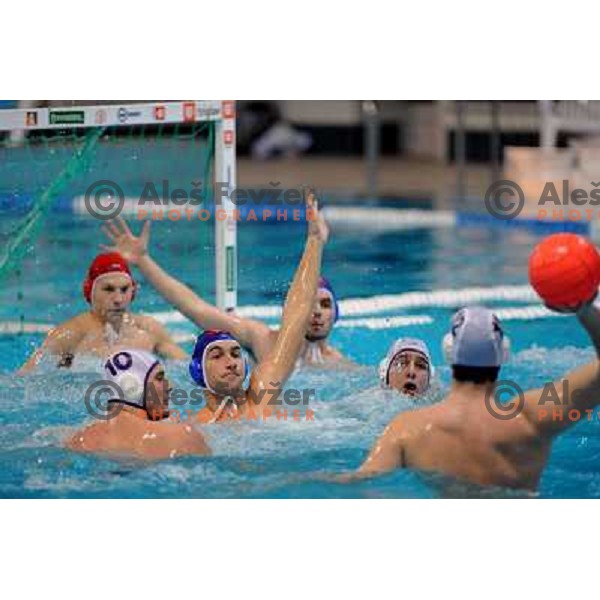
column 222, row 112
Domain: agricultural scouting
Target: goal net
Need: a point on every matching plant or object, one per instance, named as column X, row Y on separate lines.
column 65, row 170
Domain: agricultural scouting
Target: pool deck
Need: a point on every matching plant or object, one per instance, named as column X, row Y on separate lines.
column 396, row 177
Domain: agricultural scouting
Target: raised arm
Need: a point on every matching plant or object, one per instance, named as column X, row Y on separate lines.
column 578, row 389
column 249, row 333
column 297, row 309
column 164, row 345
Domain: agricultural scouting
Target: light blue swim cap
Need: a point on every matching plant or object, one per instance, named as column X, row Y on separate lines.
column 476, row 339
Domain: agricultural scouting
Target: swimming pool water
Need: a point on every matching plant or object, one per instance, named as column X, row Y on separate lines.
column 285, row 459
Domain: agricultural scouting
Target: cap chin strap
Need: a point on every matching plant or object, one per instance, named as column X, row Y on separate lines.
column 137, row 407
column 311, row 339
column 448, row 349
column 316, row 356
column 221, row 408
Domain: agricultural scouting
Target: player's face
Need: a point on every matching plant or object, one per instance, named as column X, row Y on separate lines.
column 321, row 320
column 158, row 390
column 409, row 373
column 112, row 295
column 224, row 367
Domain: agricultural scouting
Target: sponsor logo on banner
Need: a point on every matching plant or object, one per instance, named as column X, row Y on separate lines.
column 228, row 137
column 31, row 118
column 189, row 112
column 66, row 117
column 228, row 109
column 207, row 110
column 100, row 117
column 125, row 115
column 160, row 113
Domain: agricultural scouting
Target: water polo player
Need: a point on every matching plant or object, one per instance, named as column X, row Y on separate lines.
column 407, row 367
column 254, row 335
column 136, row 422
column 218, row 363
column 462, row 436
column 109, row 289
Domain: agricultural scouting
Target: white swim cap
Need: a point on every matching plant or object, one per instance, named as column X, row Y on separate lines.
column 129, row 370
column 476, row 339
column 403, row 345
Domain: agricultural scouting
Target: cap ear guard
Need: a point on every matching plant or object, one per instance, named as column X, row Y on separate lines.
column 505, row 349
column 196, row 373
column 384, row 373
column 325, row 285
column 132, row 387
column 336, row 309
column 447, row 347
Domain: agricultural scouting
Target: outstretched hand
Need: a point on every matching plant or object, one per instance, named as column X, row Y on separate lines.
column 130, row 247
column 316, row 225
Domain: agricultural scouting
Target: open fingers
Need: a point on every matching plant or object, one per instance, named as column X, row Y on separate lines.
column 123, row 224
column 146, row 230
column 111, row 227
column 109, row 234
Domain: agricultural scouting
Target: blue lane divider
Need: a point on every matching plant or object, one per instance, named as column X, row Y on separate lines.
column 478, row 219
column 17, row 204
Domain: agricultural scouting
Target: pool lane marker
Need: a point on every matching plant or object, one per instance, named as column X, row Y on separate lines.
column 388, row 218
column 380, row 304
column 368, row 307
column 514, row 313
column 15, row 327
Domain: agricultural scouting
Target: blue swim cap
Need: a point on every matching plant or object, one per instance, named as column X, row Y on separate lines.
column 325, row 285
column 476, row 339
column 203, row 343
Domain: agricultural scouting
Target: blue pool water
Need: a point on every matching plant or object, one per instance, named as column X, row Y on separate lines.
column 285, row 459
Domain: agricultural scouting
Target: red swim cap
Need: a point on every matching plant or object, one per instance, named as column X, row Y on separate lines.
column 106, row 264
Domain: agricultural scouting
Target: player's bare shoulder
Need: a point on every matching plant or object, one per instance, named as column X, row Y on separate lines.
column 413, row 424
column 89, row 439
column 67, row 336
